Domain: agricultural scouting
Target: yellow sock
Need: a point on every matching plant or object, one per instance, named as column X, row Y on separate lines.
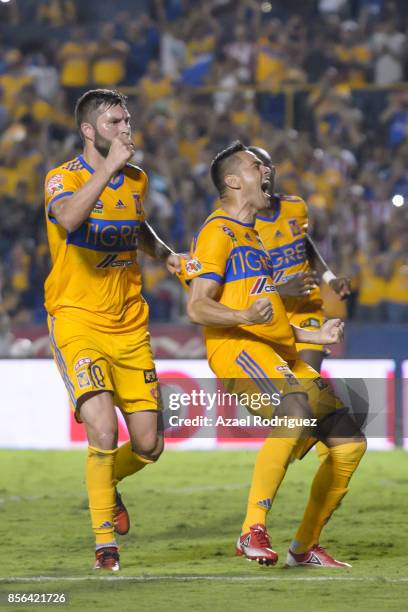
column 328, row 489
column 322, row 451
column 101, row 492
column 270, row 468
column 127, row 462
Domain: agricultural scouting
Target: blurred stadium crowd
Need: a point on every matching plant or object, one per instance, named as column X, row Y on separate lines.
column 318, row 83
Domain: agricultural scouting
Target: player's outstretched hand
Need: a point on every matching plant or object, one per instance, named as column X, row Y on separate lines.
column 300, row 285
column 121, row 150
column 332, row 331
column 341, row 286
column 173, row 262
column 260, row 311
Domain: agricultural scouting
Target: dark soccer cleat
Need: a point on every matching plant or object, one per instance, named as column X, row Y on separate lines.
column 255, row 545
column 121, row 521
column 316, row 556
column 107, row 558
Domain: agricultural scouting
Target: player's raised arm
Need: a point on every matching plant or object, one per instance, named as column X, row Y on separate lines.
column 203, row 308
column 71, row 211
column 340, row 285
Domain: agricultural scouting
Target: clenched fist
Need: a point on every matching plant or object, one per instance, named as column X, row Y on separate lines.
column 121, row 150
column 332, row 331
column 261, row 311
column 341, row 286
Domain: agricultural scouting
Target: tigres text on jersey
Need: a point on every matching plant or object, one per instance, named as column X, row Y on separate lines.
column 95, row 275
column 231, row 253
column 284, row 237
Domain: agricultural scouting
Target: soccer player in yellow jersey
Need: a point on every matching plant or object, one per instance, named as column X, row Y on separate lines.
column 251, row 345
column 97, row 316
column 297, row 265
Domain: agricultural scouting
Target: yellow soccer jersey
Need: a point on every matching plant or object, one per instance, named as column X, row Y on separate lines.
column 231, row 253
column 95, row 276
column 284, row 237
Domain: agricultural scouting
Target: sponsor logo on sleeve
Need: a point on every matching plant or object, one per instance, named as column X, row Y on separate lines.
column 55, row 184
column 193, row 265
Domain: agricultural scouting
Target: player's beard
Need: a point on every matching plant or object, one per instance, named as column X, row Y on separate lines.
column 101, row 144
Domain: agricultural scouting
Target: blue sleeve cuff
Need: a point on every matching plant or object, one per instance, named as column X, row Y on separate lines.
column 213, row 276
column 64, row 194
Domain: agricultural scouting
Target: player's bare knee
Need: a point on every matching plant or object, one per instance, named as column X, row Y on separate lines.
column 149, row 447
column 103, row 438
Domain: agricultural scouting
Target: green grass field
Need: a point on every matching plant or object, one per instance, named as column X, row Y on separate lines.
column 186, row 513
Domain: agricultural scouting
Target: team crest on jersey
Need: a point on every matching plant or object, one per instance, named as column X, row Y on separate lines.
column 262, row 285
column 193, row 265
column 138, row 203
column 227, row 230
column 98, row 208
column 83, row 379
column 120, row 204
column 294, row 227
column 55, row 184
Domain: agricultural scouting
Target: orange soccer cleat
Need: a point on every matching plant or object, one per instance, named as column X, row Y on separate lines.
column 107, row 558
column 121, row 519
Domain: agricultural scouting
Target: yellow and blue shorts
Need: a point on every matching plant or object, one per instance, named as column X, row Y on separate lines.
column 92, row 361
column 246, row 365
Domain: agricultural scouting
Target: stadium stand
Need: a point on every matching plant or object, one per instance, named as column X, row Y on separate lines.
column 327, row 97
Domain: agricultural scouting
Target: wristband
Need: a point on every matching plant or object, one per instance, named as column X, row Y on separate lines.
column 328, row 276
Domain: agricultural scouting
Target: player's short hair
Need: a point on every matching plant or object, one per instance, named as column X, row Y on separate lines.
column 93, row 100
column 225, row 162
column 261, row 154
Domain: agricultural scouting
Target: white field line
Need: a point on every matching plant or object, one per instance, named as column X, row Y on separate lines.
column 214, row 578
